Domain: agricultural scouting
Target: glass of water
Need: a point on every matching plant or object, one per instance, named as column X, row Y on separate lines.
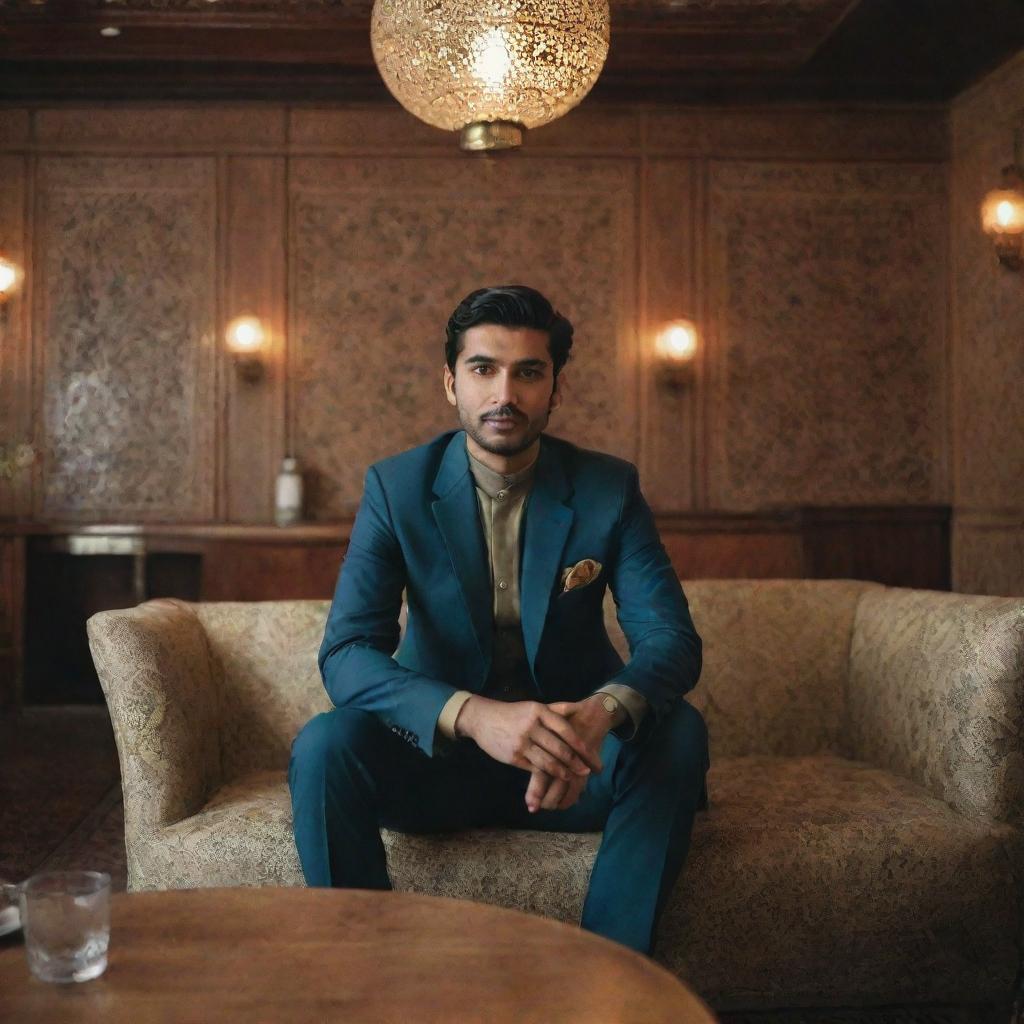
column 66, row 918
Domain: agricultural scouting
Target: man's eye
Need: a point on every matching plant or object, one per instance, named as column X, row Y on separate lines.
column 481, row 369
column 532, row 374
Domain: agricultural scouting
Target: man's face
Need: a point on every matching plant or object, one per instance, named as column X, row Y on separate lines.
column 503, row 387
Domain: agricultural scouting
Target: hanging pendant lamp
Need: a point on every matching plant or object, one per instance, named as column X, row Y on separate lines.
column 489, row 69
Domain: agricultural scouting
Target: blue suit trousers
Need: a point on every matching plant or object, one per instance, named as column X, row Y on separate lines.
column 349, row 775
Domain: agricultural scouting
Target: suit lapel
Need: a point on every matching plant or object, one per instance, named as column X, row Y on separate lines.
column 548, row 521
column 457, row 515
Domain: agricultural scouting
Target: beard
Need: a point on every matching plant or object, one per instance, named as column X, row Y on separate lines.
column 512, row 444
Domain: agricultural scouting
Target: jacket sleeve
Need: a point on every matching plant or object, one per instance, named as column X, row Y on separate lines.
column 362, row 631
column 665, row 649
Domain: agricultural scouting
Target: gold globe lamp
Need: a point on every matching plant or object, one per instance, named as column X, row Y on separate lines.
column 489, row 69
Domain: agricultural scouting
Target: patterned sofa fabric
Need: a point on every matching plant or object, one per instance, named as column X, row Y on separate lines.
column 860, row 846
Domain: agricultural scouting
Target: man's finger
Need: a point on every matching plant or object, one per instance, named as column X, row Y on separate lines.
column 554, row 745
column 540, row 758
column 540, row 782
column 555, row 794
column 558, row 725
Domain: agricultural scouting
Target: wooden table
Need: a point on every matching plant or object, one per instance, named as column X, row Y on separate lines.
column 291, row 954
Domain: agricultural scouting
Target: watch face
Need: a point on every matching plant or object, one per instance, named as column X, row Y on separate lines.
column 610, row 703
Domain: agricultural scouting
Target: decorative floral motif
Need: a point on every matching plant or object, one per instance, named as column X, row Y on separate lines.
column 14, row 458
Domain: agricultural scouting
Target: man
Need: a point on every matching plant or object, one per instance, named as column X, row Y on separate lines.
column 506, row 704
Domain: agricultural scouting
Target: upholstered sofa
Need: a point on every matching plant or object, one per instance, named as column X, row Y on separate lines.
column 862, row 850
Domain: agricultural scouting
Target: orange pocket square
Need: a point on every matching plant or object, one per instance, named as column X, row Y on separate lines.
column 580, row 574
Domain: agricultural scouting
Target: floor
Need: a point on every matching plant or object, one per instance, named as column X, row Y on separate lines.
column 60, row 793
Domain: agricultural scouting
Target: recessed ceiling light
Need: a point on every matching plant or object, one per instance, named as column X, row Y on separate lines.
column 110, row 31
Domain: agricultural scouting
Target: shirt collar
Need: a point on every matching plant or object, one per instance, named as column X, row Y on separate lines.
column 491, row 482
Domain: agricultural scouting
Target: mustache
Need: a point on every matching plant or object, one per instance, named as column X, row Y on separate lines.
column 505, row 413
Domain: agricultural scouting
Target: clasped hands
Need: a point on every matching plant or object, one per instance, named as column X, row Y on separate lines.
column 559, row 744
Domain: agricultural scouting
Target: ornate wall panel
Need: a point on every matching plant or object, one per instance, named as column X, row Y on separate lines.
column 126, row 302
column 254, row 436
column 826, row 334
column 16, row 420
column 672, row 289
column 382, row 250
column 988, row 354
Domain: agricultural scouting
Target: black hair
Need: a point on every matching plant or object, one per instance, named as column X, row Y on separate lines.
column 510, row 305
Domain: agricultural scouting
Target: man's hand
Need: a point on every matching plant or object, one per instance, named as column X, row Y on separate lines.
column 527, row 734
column 592, row 723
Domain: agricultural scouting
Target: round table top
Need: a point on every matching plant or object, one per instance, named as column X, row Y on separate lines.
column 296, row 954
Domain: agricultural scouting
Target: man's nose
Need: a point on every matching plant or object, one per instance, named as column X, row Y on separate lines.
column 506, row 389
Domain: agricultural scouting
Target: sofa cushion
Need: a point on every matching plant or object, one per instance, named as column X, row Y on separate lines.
column 827, row 881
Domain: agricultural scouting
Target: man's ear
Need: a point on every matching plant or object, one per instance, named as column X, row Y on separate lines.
column 557, row 393
column 449, row 384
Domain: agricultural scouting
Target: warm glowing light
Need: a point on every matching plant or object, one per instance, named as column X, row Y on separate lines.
column 465, row 66
column 1002, row 212
column 10, row 278
column 492, row 61
column 245, row 335
column 677, row 343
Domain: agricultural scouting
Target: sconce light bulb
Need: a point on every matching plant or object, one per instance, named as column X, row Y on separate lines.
column 245, row 334
column 9, row 277
column 678, row 341
column 1002, row 212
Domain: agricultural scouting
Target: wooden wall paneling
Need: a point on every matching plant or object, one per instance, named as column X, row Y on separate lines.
column 988, row 349
column 125, row 307
column 906, row 547
column 242, row 571
column 15, row 129
column 254, row 284
column 827, row 382
column 911, row 133
column 167, row 128
column 988, row 553
column 753, row 553
column 671, row 281
column 382, row 250
column 16, row 413
column 12, row 628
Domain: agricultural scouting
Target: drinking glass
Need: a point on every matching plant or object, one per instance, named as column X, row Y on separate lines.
column 66, row 919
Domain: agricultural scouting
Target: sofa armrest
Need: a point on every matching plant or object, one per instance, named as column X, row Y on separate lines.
column 157, row 675
column 936, row 694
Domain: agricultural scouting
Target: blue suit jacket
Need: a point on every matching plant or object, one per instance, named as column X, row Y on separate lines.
column 418, row 528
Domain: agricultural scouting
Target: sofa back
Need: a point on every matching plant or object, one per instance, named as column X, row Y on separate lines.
column 773, row 680
column 776, row 654
column 264, row 666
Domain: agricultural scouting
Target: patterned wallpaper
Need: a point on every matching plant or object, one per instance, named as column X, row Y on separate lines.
column 809, row 244
column 828, row 297
column 126, row 314
column 383, row 250
column 988, row 339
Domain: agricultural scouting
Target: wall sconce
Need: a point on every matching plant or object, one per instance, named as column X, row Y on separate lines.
column 1002, row 210
column 246, row 340
column 676, row 345
column 10, row 278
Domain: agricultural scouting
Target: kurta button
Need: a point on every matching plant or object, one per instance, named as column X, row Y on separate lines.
column 502, row 585
column 500, row 494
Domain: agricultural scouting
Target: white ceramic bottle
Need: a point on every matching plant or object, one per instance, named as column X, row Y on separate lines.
column 288, row 493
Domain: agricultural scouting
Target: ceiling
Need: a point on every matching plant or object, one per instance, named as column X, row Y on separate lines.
column 661, row 50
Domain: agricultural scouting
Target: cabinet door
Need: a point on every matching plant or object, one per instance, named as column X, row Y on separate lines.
column 12, row 599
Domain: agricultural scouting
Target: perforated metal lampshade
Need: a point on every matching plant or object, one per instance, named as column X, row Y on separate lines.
column 486, row 68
